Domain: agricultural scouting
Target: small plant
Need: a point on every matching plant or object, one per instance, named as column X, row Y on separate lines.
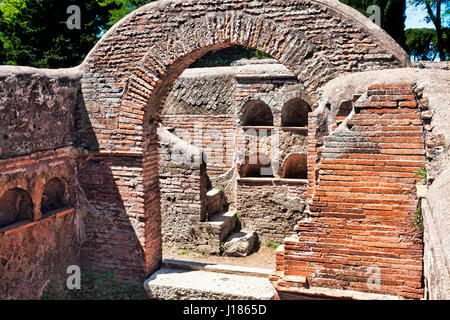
column 276, row 245
column 222, row 247
column 220, row 188
column 239, row 225
column 418, row 218
column 182, row 252
column 203, row 254
column 270, row 244
column 423, row 174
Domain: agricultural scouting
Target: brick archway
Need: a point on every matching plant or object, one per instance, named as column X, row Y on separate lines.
column 127, row 76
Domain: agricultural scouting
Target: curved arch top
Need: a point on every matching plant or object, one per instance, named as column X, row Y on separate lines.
column 128, row 74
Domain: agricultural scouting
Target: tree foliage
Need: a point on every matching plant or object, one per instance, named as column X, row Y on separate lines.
column 439, row 14
column 35, row 33
column 421, row 44
column 392, row 15
column 123, row 7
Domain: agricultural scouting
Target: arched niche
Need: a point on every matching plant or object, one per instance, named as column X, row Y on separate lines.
column 295, row 167
column 345, row 108
column 257, row 166
column 15, row 205
column 257, row 114
column 295, row 113
column 53, row 197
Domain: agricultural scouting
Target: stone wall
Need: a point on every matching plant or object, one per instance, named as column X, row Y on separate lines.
column 37, row 109
column 37, row 162
column 183, row 185
column 271, row 207
column 126, row 79
column 361, row 223
column 38, row 251
column 206, row 108
column 214, row 135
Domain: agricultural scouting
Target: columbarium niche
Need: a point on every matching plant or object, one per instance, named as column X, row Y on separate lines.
column 295, row 113
column 257, row 165
column 15, row 205
column 257, row 114
column 295, row 167
column 53, row 197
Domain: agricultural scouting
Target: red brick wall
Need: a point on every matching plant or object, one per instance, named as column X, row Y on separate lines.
column 114, row 186
column 35, row 252
column 213, row 134
column 363, row 201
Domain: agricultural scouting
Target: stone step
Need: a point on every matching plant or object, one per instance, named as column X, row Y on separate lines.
column 215, row 202
column 221, row 268
column 182, row 284
column 221, row 224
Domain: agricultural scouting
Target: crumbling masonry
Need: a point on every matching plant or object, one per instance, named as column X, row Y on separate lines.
column 86, row 164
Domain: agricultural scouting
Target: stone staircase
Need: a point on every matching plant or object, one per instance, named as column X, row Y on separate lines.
column 219, row 222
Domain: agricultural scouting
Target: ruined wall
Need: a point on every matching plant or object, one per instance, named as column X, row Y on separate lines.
column 127, row 78
column 113, row 185
column 271, row 207
column 206, row 108
column 36, row 252
column 214, row 135
column 36, row 135
column 363, row 201
column 434, row 86
column 30, row 98
column 183, row 185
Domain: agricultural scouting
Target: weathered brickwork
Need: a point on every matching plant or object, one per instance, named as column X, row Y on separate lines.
column 271, row 207
column 207, row 108
column 214, row 135
column 364, row 200
column 36, row 251
column 113, row 185
column 36, row 110
column 125, row 79
column 358, row 219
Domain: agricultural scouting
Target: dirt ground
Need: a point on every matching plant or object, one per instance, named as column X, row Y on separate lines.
column 263, row 258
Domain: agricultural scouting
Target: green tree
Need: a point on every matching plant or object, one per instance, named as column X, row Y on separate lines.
column 421, row 44
column 123, row 7
column 392, row 15
column 438, row 12
column 34, row 32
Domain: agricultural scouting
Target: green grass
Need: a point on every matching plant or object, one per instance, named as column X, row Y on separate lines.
column 96, row 286
column 270, row 244
column 422, row 173
column 418, row 217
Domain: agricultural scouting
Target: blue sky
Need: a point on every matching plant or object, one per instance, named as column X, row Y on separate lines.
column 415, row 17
